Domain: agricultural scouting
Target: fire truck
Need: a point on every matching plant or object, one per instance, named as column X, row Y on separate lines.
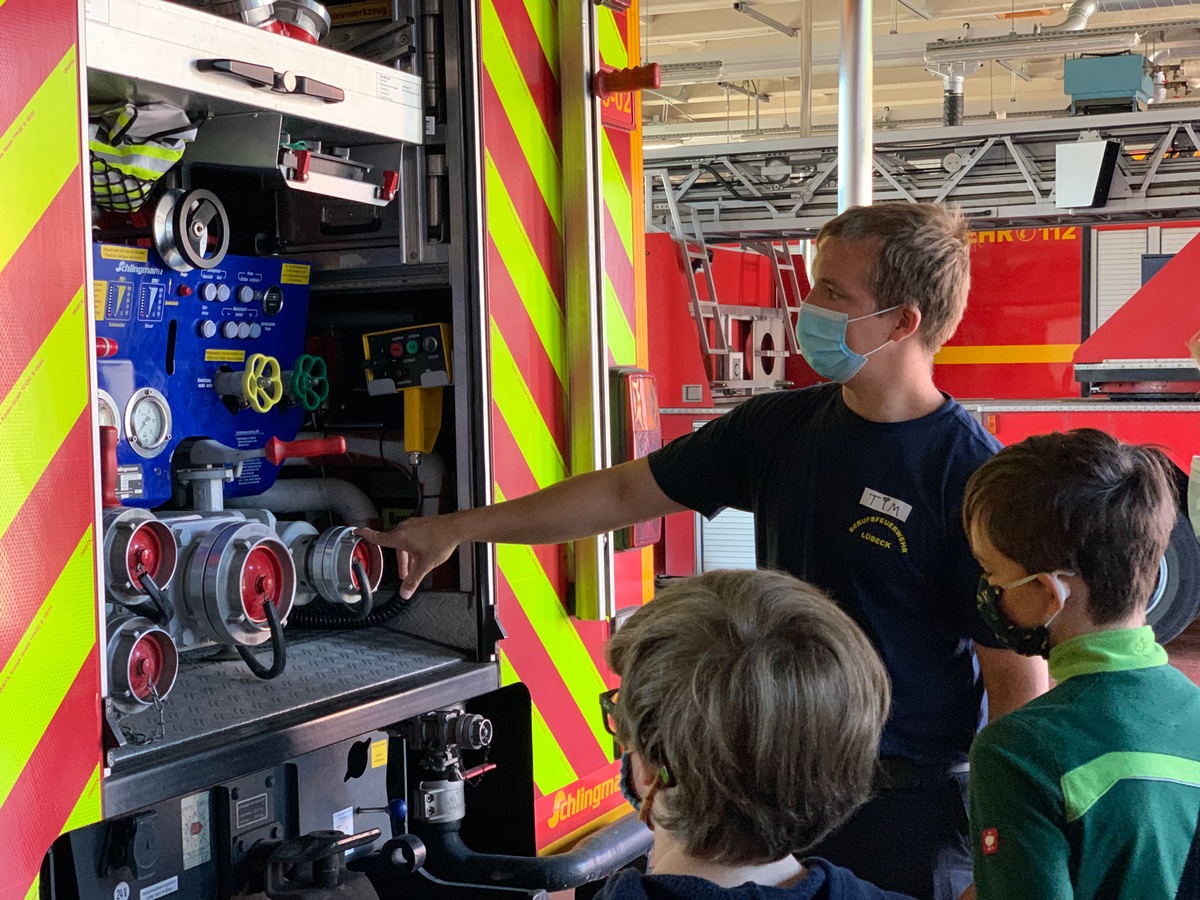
column 268, row 272
column 1082, row 311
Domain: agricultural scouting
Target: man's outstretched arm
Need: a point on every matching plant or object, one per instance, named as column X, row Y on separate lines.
column 579, row 507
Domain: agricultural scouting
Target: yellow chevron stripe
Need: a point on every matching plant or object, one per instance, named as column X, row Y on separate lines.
column 544, row 17
column 617, row 197
column 525, row 575
column 35, row 890
column 537, row 294
column 993, row 354
column 37, row 154
column 551, row 770
column 521, row 412
column 87, row 810
column 36, row 678
column 45, row 402
column 522, row 111
column 641, row 319
column 612, row 47
column 621, row 342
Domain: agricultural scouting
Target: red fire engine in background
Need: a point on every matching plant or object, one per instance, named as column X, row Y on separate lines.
column 1067, row 326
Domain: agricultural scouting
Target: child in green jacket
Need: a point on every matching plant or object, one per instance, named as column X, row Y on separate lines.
column 1092, row 789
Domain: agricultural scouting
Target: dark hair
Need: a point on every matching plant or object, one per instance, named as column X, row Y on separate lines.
column 764, row 701
column 923, row 260
column 1081, row 501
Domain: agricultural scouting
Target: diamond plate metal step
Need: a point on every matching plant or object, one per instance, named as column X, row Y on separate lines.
column 221, row 721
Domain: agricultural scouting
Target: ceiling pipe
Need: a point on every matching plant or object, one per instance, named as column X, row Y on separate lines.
column 856, row 84
column 806, row 67
column 952, row 100
column 1164, row 54
column 1082, row 10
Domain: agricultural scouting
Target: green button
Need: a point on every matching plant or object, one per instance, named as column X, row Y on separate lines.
column 413, row 346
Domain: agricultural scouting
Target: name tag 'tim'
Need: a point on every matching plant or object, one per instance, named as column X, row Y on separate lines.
column 889, row 506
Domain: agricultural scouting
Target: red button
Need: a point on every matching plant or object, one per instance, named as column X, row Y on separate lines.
column 184, row 291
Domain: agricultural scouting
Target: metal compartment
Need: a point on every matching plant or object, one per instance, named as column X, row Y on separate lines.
column 151, row 49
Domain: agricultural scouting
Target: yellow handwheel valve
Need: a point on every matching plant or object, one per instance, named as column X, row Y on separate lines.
column 262, row 382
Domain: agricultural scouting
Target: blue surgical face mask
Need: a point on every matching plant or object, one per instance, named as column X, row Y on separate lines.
column 822, row 336
column 1027, row 640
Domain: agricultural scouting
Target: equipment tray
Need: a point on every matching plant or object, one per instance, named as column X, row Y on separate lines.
column 221, row 722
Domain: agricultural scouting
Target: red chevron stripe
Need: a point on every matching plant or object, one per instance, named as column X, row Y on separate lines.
column 37, row 34
column 41, row 278
column 535, row 667
column 594, row 636
column 619, row 269
column 531, row 60
column 52, row 783
column 516, row 480
column 527, row 349
column 622, row 144
column 55, row 508
column 523, row 189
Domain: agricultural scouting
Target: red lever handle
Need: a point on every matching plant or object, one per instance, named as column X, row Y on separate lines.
column 622, row 81
column 277, row 451
column 391, row 184
column 108, row 466
column 478, row 770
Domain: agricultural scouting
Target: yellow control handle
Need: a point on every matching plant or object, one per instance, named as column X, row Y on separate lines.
column 262, row 382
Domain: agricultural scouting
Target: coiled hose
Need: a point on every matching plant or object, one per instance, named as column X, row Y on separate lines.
column 333, row 619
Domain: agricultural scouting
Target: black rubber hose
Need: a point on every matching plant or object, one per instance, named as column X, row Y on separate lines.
column 595, row 857
column 366, row 601
column 329, row 619
column 157, row 597
column 728, row 185
column 278, row 644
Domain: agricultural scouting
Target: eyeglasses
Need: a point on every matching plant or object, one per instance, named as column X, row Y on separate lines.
column 608, row 709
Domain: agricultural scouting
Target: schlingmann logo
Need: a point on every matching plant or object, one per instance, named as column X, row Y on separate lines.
column 137, row 269
column 568, row 805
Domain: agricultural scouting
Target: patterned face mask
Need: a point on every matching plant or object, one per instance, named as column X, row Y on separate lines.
column 1027, row 640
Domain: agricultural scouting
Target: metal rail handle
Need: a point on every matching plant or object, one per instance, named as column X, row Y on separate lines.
column 259, row 75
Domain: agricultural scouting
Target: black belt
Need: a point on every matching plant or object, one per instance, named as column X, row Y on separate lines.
column 905, row 775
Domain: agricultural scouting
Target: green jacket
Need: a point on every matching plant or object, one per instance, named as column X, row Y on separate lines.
column 1092, row 789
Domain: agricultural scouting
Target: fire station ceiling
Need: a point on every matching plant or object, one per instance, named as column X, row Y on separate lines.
column 728, row 72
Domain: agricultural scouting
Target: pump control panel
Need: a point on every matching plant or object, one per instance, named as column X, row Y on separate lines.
column 402, row 358
column 209, row 353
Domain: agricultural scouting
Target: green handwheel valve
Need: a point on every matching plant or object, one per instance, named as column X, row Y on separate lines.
column 309, row 382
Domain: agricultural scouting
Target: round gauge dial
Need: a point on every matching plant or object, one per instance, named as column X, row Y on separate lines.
column 108, row 410
column 148, row 422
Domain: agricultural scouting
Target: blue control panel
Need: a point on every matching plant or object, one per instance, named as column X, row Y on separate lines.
column 181, row 344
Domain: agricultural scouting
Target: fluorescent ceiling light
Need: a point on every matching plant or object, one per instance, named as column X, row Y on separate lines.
column 766, row 20
column 687, row 73
column 1029, row 46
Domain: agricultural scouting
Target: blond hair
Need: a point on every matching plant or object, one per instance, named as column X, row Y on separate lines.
column 923, row 259
column 765, row 703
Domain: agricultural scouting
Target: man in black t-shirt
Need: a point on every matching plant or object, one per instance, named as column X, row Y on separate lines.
column 856, row 487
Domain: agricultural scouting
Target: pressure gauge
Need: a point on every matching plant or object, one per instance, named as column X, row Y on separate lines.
column 107, row 409
column 148, row 422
